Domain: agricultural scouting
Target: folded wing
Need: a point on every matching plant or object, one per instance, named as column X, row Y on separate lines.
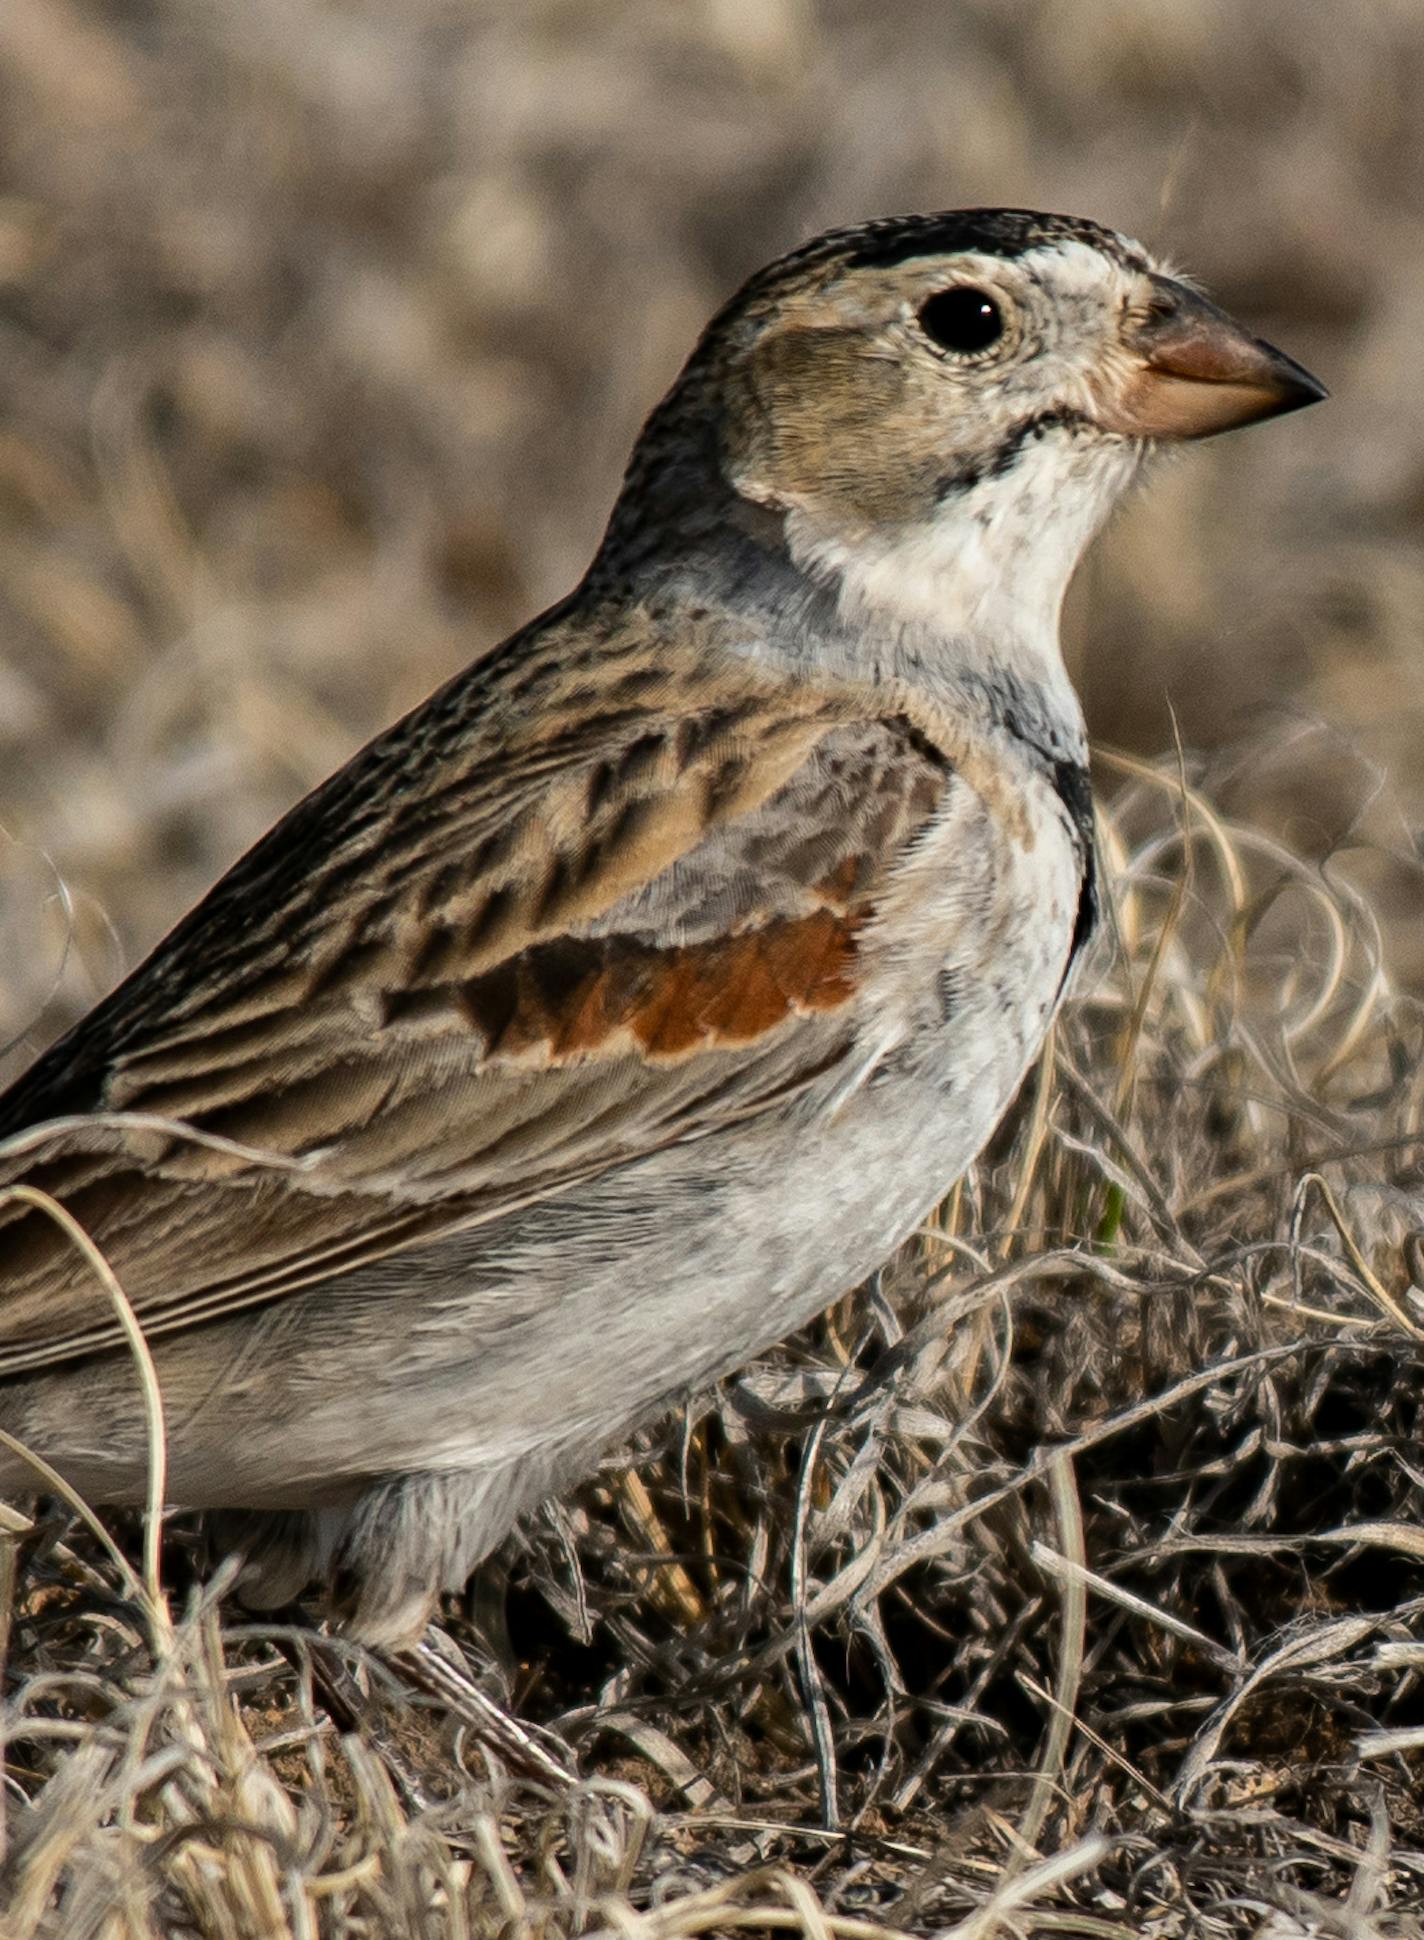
column 564, row 915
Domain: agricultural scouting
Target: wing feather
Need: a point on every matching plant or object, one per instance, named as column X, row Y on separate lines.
column 466, row 975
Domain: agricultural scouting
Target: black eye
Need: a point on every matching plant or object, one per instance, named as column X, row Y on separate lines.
column 962, row 319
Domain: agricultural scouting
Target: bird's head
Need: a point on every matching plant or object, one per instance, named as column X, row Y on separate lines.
column 939, row 411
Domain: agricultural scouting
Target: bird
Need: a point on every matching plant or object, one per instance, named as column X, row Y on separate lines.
column 632, row 999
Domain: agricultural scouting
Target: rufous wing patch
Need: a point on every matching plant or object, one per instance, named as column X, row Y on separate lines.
column 588, row 998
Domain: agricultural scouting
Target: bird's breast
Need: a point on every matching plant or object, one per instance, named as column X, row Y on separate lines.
column 967, row 956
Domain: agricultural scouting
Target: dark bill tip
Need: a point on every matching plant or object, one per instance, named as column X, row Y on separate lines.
column 1294, row 384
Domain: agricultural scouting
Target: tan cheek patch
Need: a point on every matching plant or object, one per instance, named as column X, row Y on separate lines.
column 819, row 420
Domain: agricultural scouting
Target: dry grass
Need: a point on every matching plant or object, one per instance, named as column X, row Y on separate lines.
column 1067, row 1579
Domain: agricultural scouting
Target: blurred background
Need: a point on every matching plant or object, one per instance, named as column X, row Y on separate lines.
column 325, row 327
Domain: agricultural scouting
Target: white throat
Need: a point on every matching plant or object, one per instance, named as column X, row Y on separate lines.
column 977, row 587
